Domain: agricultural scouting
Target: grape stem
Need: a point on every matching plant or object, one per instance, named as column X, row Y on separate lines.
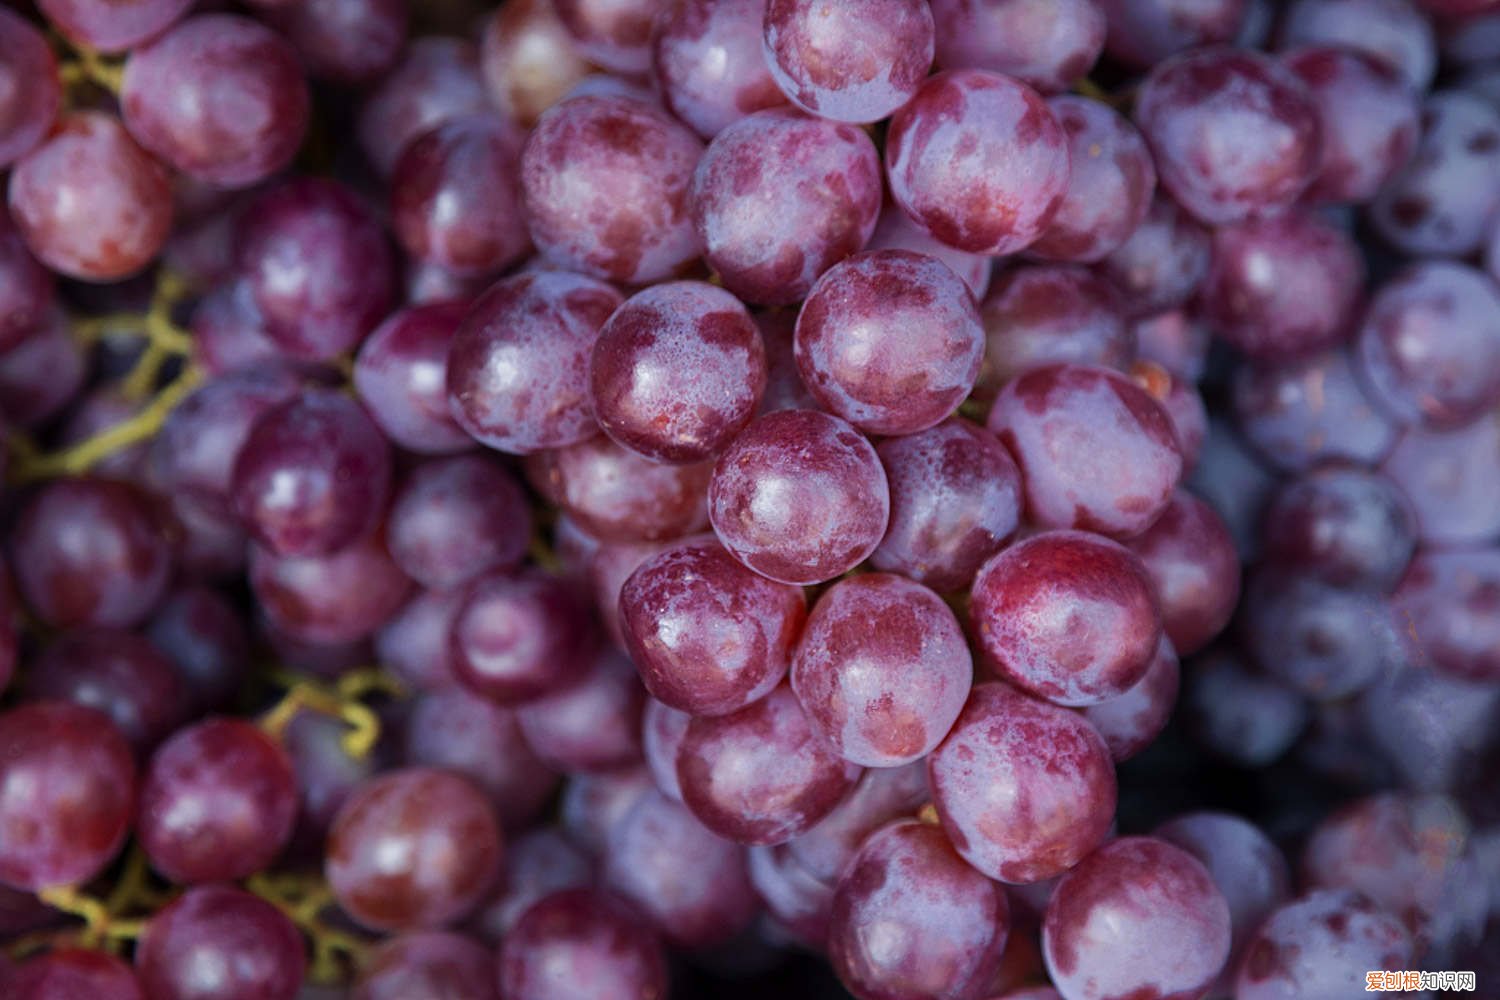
column 102, row 928
column 303, row 898
column 340, row 702
column 164, row 338
column 1086, row 87
column 88, row 66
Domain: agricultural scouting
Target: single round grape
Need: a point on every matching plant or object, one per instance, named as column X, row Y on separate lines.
column 528, row 59
column 606, row 187
column 1369, row 118
column 30, row 92
column 707, row 62
column 71, row 972
column 1096, row 451
column 1131, row 721
column 217, row 803
column 1392, row 32
column 616, row 34
column 761, row 775
column 799, row 497
column 229, row 330
column 1234, row 132
column 889, row 340
column 90, row 551
column 401, row 375
column 616, row 495
column 1244, row 716
column 1024, row 788
column 593, row 805
column 515, row 638
column 517, row 367
column 537, row 864
column 1035, row 316
column 67, row 794
column 1162, row 263
column 337, row 598
column 851, row 62
column 1282, row 288
column 1430, row 729
column 1143, row 33
column 883, row 794
column 708, row 635
column 89, row 202
column 1190, row 557
column 325, row 659
column 437, row 81
column 779, row 197
column 220, row 98
column 1047, row 44
column 427, row 964
column 1449, row 480
column 453, row 519
column 1347, row 527
column 895, row 230
column 592, row 723
column 1001, row 192
column 581, row 944
column 413, row 848
column 312, row 476
column 204, row 637
column 111, row 25
column 413, row 643
column 677, row 372
column 662, row 730
column 1430, row 346
column 1449, row 601
column 910, row 918
column 217, row 942
column 881, row 670
column 1139, row 917
column 319, row 267
column 1323, row 944
column 955, row 500
column 347, row 41
column 797, row 904
column 456, row 196
column 1305, row 412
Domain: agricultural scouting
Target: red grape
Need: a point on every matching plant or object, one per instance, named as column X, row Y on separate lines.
column 1049, row 44
column 662, row 730
column 427, row 964
column 401, row 375
column 580, row 944
column 1450, row 480
column 1162, row 263
column 112, row 25
column 336, row 598
column 616, row 495
column 346, row 41
column 413, row 643
column 72, row 972
column 453, row 519
column 1449, row 602
column 436, row 81
column 1310, row 411
column 1035, row 316
column 882, row 795
column 895, row 230
column 1191, row 560
column 517, row 637
column 1347, row 527
column 1392, row 32
column 1143, row 33
column 708, row 64
column 537, row 864
column 616, row 34
column 1321, row 945
column 217, row 942
column 592, row 723
column 30, row 92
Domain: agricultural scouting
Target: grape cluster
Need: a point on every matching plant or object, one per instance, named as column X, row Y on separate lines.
column 629, row 499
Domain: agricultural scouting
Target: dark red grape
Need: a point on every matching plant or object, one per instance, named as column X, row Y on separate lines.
column 1306, row 412
column 72, row 972
column 436, row 81
column 1143, row 33
column 616, row 34
column 336, row 598
column 515, row 638
column 895, row 230
column 346, row 41
column 1392, row 32
column 1449, row 480
column 1448, row 602
column 1035, row 316
column 427, row 964
column 32, row 92
column 1347, row 527
column 882, row 795
column 401, row 374
column 1321, row 945
column 453, row 519
column 528, row 59
column 616, row 495
column 1246, row 717
column 1048, row 44
column 708, row 63
column 217, row 942
column 593, row 722
column 1162, row 263
column 1131, row 721
column 580, row 944
column 413, row 643
column 537, row 864
column 1191, row 560
column 111, row 25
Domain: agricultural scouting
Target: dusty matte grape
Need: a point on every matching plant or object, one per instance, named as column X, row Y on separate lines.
column 453, row 519
column 882, row 795
column 1131, row 721
column 616, row 495
column 401, row 375
column 707, row 61
column 337, row 598
column 1162, row 263
column 616, row 34
column 581, row 944
column 1190, row 557
column 1322, row 944
column 1035, row 316
column 1450, row 480
column 516, row 637
column 1048, row 44
column 218, row 941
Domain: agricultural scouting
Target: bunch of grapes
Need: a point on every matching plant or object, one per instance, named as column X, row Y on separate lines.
column 629, row 499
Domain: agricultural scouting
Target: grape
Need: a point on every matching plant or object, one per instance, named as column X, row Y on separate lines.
column 413, row 643
column 427, row 964
column 26, row 396
column 851, row 62
column 677, row 372
column 708, row 635
column 401, row 375
column 1096, row 451
column 1129, row 722
column 799, row 497
column 216, row 942
column 515, row 638
column 327, row 774
column 1191, row 560
column 1448, row 479
column 1347, row 527
column 616, row 34
column 412, row 848
column 1048, row 44
column 910, row 918
column 217, row 803
column 26, row 288
column 1321, row 945
column 1235, row 133
column 72, row 972
column 1067, row 616
column 219, row 98
column 1430, row 729
column 779, row 197
column 1244, row 716
column 111, row 25
column 453, row 519
column 1184, row 405
column 229, row 331
column 67, row 794
column 518, row 363
column 616, row 495
column 336, row 598
column 30, row 88
column 593, row 805
column 528, row 59
column 117, row 672
column 1441, row 203
column 592, row 723
column 784, row 387
column 797, row 904
column 437, row 81
column 606, row 187
column 90, row 552
column 1392, row 32
column 1448, row 601
column 89, row 202
column 1430, row 346
column 1024, row 788
column 1282, row 288
column 322, row 659
column 890, row 341
column 1143, row 33
column 979, row 161
column 1138, row 917
column 1036, row 316
column 537, row 864
column 1163, row 261
column 690, row 883
column 456, row 196
column 662, row 730
column 707, row 62
column 312, row 476
column 580, row 944
column 896, row 231
column 881, row 670
column 955, row 501
column 1369, row 119
column 606, row 569
column 882, row 795
column 347, row 41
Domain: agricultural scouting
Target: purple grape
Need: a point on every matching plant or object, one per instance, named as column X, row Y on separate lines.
column 616, row 34
column 890, row 341
column 616, row 495
column 607, row 569
column 1047, row 44
column 1035, row 316
column 32, row 90
column 708, row 635
column 413, row 643
column 799, row 497
column 779, row 197
column 594, row 804
column 797, row 904
column 28, row 396
column 1005, row 189
column 437, row 81
column 1449, row 480
column 427, row 964
column 1138, row 917
column 117, row 672
column 1391, row 32
column 346, row 41
column 882, row 795
column 111, row 25
column 910, row 918
column 1448, row 603
column 229, row 331
column 72, row 972
column 606, row 187
column 1024, row 788
column 442, row 834
column 518, row 363
column 895, row 230
column 1143, row 33
column 1241, row 715
column 537, row 864
column 662, row 730
column 1234, row 132
column 1431, row 729
column 26, row 288
column 327, row 774
column 677, row 372
column 708, row 64
column 453, row 519
column 1321, row 945
column 97, row 410
column 337, row 598
column 401, row 375
column 592, row 723
column 1131, row 721
column 515, row 638
column 70, row 789
column 851, row 62
column 217, row 942
column 1347, row 527
column 528, row 59
column 580, row 944
column 1096, row 451
column 1162, row 263
column 1190, row 557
